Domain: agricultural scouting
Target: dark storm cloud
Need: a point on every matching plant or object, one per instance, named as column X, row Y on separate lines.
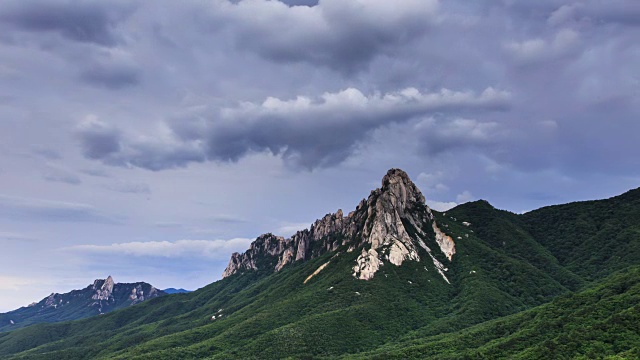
column 109, row 76
column 29, row 210
column 84, row 21
column 300, row 2
column 343, row 36
column 97, row 139
column 445, row 135
column 305, row 132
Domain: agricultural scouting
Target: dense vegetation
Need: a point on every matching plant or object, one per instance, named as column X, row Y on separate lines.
column 560, row 282
column 600, row 322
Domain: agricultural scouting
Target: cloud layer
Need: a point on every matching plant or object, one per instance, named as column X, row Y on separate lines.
column 305, row 132
column 180, row 249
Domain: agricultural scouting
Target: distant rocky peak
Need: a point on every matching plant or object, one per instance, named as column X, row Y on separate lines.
column 103, row 284
column 103, row 288
column 108, row 284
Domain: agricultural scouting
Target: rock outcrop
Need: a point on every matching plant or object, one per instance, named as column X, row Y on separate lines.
column 103, row 288
column 393, row 224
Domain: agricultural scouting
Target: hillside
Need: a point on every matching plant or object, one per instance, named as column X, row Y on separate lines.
column 392, row 275
column 602, row 321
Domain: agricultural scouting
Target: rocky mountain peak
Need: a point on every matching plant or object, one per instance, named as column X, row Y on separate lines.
column 392, row 225
column 108, row 284
column 399, row 191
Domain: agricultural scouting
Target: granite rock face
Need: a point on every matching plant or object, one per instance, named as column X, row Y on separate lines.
column 103, row 288
column 392, row 225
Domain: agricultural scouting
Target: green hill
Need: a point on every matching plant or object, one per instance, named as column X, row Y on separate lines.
column 472, row 282
column 602, row 321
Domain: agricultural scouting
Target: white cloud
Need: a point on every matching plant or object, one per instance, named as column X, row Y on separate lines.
column 433, row 182
column 214, row 249
column 441, row 206
column 563, row 43
column 464, row 197
column 288, row 229
column 30, row 209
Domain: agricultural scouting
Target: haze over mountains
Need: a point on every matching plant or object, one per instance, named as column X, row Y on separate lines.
column 395, row 279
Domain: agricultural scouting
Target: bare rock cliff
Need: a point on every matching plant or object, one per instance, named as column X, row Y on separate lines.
column 391, row 225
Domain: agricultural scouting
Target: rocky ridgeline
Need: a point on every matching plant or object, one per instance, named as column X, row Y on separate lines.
column 107, row 292
column 103, row 296
column 377, row 228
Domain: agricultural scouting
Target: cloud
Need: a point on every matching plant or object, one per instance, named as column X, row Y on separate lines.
column 84, row 22
column 27, row 209
column 441, row 206
column 289, row 229
column 211, row 249
column 537, row 50
column 442, row 135
column 95, row 172
column 464, row 197
column 61, row 175
column 306, row 132
column 128, row 187
column 341, row 35
column 110, row 76
column 597, row 13
column 228, row 219
column 17, row 237
column 433, row 182
column 11, row 283
column 97, row 139
column 48, row 154
column 111, row 68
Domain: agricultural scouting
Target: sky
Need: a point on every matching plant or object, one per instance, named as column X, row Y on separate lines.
column 148, row 140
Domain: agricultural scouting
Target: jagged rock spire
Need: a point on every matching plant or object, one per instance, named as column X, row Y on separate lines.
column 105, row 290
column 377, row 227
column 400, row 191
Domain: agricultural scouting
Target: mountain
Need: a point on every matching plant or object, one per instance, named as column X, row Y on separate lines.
column 393, row 278
column 103, row 296
column 600, row 322
column 176, row 291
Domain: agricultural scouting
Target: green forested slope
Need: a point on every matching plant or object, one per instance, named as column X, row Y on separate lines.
column 600, row 322
column 590, row 238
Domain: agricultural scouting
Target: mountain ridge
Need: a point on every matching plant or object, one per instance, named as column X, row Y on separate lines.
column 103, row 296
